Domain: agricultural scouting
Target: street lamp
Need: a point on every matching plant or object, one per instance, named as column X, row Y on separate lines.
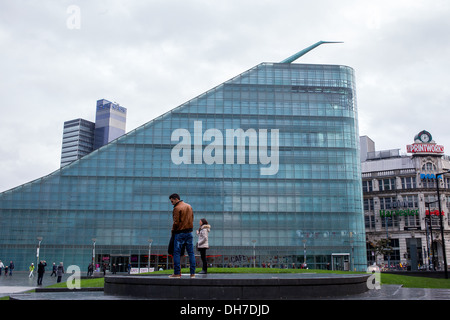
column 93, row 253
column 353, row 252
column 254, row 254
column 149, row 251
column 39, row 239
column 431, row 261
column 304, row 251
column 442, row 224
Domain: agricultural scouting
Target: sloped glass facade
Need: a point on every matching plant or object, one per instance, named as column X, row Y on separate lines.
column 270, row 158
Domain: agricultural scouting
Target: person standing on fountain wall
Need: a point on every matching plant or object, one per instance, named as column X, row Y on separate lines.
column 203, row 244
column 182, row 227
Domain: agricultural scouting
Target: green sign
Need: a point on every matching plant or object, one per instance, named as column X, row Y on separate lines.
column 405, row 212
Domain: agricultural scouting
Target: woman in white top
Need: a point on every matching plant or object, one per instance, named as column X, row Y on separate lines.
column 203, row 244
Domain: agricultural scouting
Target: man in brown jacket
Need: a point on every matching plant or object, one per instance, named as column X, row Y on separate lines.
column 183, row 224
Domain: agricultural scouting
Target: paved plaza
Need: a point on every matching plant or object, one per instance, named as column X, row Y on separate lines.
column 18, row 285
column 21, row 282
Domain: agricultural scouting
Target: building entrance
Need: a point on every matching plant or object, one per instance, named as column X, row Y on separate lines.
column 121, row 262
column 340, row 261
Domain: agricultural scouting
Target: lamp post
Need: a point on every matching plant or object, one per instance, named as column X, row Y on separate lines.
column 93, row 253
column 353, row 253
column 304, row 251
column 442, row 224
column 39, row 239
column 430, row 249
column 150, row 241
column 387, row 239
column 254, row 253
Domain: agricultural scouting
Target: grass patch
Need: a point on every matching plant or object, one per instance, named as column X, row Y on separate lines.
column 415, row 282
column 84, row 283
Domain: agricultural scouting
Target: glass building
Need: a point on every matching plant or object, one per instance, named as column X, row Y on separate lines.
column 270, row 158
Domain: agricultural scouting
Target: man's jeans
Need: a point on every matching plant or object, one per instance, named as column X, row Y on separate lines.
column 180, row 240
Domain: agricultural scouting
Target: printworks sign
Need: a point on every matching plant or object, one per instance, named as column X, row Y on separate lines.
column 424, row 144
column 424, row 148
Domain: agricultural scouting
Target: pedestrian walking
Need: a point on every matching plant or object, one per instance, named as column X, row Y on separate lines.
column 11, row 267
column 203, row 243
column 54, row 267
column 1, row 267
column 59, row 272
column 40, row 271
column 31, row 269
column 182, row 227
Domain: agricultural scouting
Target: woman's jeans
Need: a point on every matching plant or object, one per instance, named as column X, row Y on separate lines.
column 180, row 240
column 204, row 260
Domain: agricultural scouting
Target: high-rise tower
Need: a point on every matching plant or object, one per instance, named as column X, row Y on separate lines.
column 78, row 140
column 81, row 137
column 110, row 122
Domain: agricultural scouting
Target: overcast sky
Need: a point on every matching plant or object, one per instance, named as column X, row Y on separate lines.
column 151, row 56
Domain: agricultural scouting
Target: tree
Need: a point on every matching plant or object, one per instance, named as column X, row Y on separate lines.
column 382, row 247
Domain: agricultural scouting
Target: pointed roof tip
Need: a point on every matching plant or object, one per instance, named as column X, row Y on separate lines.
column 306, row 50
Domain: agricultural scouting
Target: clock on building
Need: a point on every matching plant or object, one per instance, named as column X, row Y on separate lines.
column 424, row 136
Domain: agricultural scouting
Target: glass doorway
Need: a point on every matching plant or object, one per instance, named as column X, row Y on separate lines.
column 121, row 262
column 340, row 261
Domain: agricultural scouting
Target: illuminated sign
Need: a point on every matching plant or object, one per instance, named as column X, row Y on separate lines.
column 429, row 176
column 424, row 143
column 424, row 148
column 434, row 213
column 408, row 212
column 405, row 212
